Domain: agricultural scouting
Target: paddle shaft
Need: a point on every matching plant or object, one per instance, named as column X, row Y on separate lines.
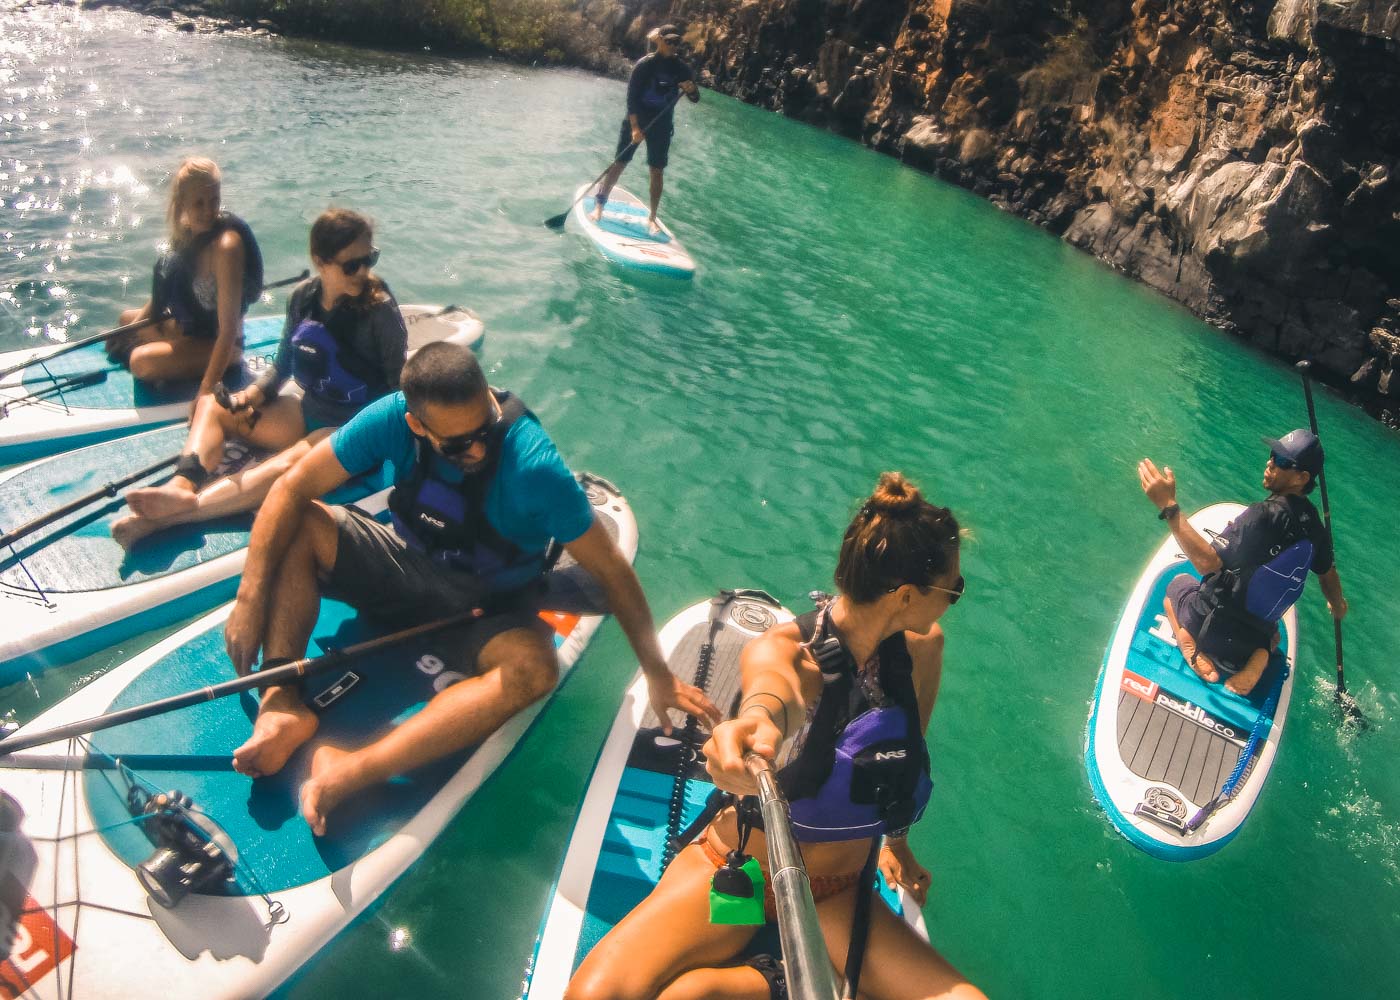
column 1326, row 517
column 809, row 972
column 286, row 673
column 554, row 222
column 110, row 490
column 140, row 324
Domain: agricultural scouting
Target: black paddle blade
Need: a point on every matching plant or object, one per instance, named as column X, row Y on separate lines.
column 1351, row 712
column 557, row 221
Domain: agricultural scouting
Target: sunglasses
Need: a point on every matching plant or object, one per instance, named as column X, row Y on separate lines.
column 1280, row 462
column 352, row 266
column 451, row 447
column 954, row 593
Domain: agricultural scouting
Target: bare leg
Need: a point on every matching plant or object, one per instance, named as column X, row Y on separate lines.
column 738, row 982
column 656, row 186
column 605, row 187
column 166, row 359
column 117, row 347
column 243, row 491
column 155, row 508
column 668, row 935
column 284, row 722
column 1186, row 643
column 899, row 965
column 517, row 668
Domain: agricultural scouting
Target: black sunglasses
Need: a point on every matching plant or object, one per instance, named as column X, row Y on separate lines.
column 352, row 266
column 1280, row 462
column 451, row 447
column 954, row 593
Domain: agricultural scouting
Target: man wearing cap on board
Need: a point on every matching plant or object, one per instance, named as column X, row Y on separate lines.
column 652, row 92
column 1254, row 571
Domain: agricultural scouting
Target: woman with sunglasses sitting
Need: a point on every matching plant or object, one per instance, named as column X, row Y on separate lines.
column 343, row 343
column 853, row 679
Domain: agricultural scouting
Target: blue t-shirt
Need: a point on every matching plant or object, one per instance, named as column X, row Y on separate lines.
column 533, row 496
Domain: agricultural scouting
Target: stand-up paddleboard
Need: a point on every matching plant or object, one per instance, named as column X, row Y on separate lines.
column 1162, row 743
column 81, row 398
column 619, row 845
column 293, row 891
column 623, row 237
column 69, row 589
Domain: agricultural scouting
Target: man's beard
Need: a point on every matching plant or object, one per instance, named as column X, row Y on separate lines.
column 470, row 468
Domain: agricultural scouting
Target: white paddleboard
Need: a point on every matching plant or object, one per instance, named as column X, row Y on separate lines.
column 1162, row 743
column 623, row 236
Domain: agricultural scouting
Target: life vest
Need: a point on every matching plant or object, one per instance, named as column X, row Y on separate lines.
column 1257, row 596
column 863, row 770
column 448, row 520
column 325, row 368
column 172, row 286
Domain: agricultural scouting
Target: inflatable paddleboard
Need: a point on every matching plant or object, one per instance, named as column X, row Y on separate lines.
column 619, row 843
column 90, row 929
column 1162, row 743
column 81, row 398
column 623, row 237
column 69, row 590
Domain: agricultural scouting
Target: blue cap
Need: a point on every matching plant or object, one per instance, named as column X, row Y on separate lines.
column 1301, row 447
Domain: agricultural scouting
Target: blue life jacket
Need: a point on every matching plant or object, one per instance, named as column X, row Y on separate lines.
column 863, row 771
column 448, row 520
column 1256, row 595
column 323, row 367
column 172, row 285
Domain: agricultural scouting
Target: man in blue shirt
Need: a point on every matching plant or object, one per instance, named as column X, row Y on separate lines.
column 657, row 81
column 479, row 495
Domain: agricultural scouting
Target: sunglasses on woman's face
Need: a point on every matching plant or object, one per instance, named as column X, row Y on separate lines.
column 954, row 593
column 352, row 266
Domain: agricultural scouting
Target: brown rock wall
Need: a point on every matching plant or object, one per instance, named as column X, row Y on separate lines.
column 1238, row 155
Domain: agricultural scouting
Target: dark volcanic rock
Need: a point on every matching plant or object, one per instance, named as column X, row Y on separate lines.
column 1238, row 155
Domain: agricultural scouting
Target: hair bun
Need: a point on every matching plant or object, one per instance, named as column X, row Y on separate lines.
column 894, row 495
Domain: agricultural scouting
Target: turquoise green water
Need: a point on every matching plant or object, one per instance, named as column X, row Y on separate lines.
column 849, row 316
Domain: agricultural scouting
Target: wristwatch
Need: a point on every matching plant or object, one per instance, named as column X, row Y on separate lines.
column 1168, row 512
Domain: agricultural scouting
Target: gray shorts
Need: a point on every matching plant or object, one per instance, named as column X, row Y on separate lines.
column 378, row 574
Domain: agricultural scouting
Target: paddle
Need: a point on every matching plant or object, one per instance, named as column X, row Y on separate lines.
column 557, row 221
column 140, row 324
column 287, row 673
column 58, row 388
column 809, row 972
column 1350, row 709
column 109, row 490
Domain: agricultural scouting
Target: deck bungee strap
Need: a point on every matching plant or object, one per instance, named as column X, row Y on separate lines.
column 59, row 385
column 1262, row 724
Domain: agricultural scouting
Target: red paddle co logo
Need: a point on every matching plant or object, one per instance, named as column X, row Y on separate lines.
column 38, row 945
column 1140, row 686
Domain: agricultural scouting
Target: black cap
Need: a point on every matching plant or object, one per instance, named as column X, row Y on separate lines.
column 1301, row 447
column 666, row 31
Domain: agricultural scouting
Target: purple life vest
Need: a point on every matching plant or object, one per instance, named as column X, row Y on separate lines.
column 864, row 769
column 318, row 365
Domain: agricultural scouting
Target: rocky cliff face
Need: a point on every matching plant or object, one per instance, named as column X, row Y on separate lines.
column 1238, row 155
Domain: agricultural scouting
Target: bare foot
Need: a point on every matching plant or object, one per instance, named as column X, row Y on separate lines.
column 129, row 530
column 597, row 214
column 1244, row 682
column 333, row 776
column 1198, row 661
column 284, row 723
column 161, row 501
column 653, row 226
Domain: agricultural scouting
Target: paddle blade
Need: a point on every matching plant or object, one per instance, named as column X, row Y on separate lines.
column 557, row 221
column 1351, row 711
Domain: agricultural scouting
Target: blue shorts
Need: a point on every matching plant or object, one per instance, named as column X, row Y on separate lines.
column 1227, row 648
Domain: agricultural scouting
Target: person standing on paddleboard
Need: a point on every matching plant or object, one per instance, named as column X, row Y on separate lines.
column 853, row 681
column 343, row 342
column 1253, row 571
column 481, row 503
column 656, row 82
column 203, row 285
